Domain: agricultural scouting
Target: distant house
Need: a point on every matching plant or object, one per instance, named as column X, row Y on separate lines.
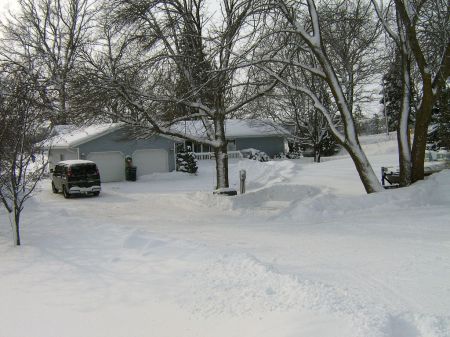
column 263, row 135
column 109, row 145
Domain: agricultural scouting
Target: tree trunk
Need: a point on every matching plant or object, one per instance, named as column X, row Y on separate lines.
column 423, row 118
column 351, row 142
column 317, row 153
column 16, row 229
column 404, row 147
column 62, row 118
column 221, row 156
column 365, row 171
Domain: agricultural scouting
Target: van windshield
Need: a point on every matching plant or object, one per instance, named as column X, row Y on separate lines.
column 83, row 170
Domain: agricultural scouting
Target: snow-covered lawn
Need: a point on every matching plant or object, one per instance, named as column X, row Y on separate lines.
column 304, row 253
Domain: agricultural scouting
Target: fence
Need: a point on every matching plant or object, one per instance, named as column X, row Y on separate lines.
column 210, row 155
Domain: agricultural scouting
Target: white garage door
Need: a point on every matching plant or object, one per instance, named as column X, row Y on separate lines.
column 110, row 164
column 150, row 161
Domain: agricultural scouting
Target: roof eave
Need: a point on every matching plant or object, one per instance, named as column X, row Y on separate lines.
column 257, row 136
column 92, row 137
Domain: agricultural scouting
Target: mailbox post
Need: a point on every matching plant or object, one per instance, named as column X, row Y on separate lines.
column 242, row 176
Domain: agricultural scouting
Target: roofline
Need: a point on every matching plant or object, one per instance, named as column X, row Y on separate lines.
column 98, row 135
column 173, row 138
column 57, row 147
column 286, row 136
column 259, row 136
column 75, row 144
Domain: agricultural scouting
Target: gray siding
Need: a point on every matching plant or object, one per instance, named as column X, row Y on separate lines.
column 269, row 145
column 56, row 155
column 120, row 140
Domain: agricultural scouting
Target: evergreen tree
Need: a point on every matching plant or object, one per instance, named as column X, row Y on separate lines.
column 376, row 124
column 328, row 145
column 361, row 121
column 200, row 84
column 441, row 120
column 186, row 161
column 392, row 93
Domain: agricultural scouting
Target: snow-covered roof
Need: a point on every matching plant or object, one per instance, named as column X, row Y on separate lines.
column 67, row 136
column 235, row 128
column 75, row 162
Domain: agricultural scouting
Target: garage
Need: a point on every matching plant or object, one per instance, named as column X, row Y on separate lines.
column 111, row 165
column 150, row 161
column 109, row 144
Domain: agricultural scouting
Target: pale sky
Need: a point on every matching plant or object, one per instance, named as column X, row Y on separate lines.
column 5, row 5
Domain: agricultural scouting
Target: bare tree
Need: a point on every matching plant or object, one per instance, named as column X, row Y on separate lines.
column 185, row 66
column 287, row 106
column 47, row 35
column 305, row 36
column 404, row 51
column 312, row 127
column 422, row 34
column 22, row 162
column 351, row 35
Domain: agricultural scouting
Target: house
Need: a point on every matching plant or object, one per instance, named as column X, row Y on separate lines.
column 109, row 145
column 241, row 134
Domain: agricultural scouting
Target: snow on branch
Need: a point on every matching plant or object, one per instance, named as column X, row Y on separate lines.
column 382, row 15
column 312, row 38
column 317, row 103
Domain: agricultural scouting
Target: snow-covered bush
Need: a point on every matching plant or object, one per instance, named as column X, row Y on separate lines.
column 289, row 155
column 280, row 155
column 186, row 161
column 294, row 155
column 255, row 154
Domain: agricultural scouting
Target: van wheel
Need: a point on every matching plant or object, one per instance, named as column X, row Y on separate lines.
column 96, row 194
column 54, row 189
column 65, row 193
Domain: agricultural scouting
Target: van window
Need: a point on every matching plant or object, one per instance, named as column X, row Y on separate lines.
column 85, row 169
column 57, row 169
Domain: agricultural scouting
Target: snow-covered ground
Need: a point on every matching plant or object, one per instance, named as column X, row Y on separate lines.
column 304, row 253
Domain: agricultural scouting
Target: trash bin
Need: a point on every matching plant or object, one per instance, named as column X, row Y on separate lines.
column 130, row 173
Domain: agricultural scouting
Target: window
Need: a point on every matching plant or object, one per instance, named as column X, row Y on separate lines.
column 231, row 145
column 197, row 147
column 57, row 170
column 85, row 169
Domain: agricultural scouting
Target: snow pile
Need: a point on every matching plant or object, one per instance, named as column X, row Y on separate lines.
column 322, row 206
column 378, row 138
column 377, row 144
